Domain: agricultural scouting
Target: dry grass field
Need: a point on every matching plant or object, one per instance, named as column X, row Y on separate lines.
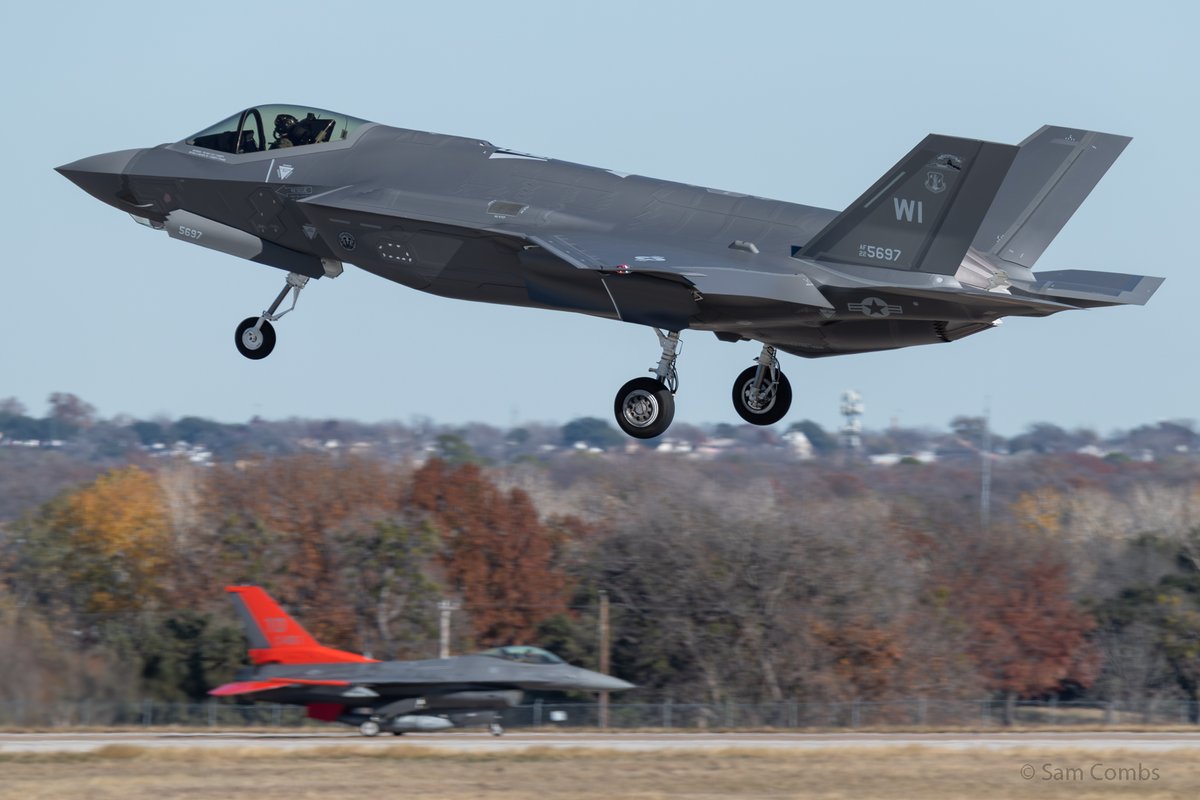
column 122, row 772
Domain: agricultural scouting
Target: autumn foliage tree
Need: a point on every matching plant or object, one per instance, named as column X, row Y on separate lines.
column 496, row 553
column 1025, row 634
column 102, row 548
column 278, row 522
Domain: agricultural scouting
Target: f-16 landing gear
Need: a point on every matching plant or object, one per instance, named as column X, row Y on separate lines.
column 644, row 407
column 762, row 394
column 255, row 336
column 495, row 730
column 369, row 727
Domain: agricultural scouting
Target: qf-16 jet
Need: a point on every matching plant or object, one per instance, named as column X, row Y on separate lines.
column 289, row 666
column 939, row 248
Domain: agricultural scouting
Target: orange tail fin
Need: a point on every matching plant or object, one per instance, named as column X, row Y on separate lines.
column 276, row 638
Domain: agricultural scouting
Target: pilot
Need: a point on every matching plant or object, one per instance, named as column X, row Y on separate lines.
column 284, row 123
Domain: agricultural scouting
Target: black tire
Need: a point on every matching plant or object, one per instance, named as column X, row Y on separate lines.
column 774, row 411
column 644, row 408
column 254, row 346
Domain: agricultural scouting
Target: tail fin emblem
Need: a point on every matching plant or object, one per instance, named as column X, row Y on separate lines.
column 934, row 182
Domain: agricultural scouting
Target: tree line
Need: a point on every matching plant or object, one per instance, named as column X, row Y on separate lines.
column 737, row 581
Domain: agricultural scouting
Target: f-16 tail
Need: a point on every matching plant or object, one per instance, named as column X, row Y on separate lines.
column 922, row 215
column 276, row 638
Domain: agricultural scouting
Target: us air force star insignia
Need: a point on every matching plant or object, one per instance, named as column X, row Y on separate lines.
column 283, row 171
column 934, row 182
column 875, row 307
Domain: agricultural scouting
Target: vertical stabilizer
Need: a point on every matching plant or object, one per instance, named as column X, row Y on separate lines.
column 1053, row 173
column 923, row 213
column 276, row 638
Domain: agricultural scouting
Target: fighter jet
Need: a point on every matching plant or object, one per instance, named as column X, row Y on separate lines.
column 941, row 247
column 289, row 666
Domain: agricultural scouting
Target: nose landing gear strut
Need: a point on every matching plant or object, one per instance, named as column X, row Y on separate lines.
column 255, row 336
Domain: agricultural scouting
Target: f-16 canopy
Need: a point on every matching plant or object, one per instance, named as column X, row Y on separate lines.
column 524, row 654
column 286, row 125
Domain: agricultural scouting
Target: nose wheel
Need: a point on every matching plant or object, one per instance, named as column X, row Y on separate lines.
column 762, row 394
column 644, row 407
column 255, row 336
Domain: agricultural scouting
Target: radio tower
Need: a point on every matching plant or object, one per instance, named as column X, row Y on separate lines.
column 852, row 411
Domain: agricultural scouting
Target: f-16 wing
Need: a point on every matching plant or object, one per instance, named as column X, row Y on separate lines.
column 252, row 687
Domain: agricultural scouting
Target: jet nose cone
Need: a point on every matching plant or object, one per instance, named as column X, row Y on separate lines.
column 599, row 682
column 100, row 176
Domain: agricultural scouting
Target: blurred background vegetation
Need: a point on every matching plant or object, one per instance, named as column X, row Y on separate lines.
column 743, row 564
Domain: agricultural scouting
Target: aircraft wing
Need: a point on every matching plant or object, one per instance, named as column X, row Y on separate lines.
column 729, row 271
column 251, row 687
column 710, row 269
column 465, row 212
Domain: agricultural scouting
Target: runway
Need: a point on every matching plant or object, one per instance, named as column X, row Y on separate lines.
column 482, row 742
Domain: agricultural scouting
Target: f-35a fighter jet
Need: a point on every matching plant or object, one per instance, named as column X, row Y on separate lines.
column 392, row 696
column 939, row 248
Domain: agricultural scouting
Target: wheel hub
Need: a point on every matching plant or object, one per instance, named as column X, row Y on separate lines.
column 640, row 408
column 252, row 339
column 759, row 402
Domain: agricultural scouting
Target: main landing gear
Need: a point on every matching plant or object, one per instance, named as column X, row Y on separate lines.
column 644, row 407
column 762, row 394
column 255, row 336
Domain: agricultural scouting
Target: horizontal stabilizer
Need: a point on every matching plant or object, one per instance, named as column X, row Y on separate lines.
column 1054, row 171
column 1081, row 287
column 923, row 213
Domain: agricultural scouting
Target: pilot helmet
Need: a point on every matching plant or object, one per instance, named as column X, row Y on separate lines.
column 283, row 123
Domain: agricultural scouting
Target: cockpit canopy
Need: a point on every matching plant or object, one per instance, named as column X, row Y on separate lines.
column 524, row 654
column 274, row 127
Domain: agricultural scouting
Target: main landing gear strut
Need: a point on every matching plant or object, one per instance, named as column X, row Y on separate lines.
column 644, row 407
column 255, row 336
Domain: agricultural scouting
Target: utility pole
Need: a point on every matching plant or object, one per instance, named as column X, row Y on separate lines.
column 445, row 608
column 985, row 469
column 604, row 647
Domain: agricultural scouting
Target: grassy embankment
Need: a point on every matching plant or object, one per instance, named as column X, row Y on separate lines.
column 124, row 772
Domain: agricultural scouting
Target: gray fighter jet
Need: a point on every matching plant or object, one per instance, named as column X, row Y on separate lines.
column 939, row 248
column 392, row 696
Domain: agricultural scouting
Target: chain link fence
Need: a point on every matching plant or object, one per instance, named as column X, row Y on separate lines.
column 787, row 715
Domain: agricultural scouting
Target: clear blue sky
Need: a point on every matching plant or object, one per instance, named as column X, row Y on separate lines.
column 769, row 98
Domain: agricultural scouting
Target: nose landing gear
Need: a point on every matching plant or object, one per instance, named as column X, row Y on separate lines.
column 255, row 336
